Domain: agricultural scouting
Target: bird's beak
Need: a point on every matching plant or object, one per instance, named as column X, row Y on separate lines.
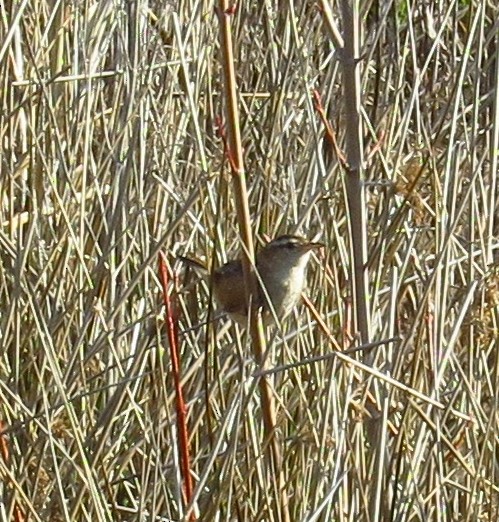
column 315, row 246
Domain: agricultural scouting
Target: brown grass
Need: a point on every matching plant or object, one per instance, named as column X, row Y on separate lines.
column 110, row 153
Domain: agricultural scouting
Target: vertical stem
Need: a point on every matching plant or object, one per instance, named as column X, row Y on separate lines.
column 354, row 181
column 273, row 453
column 358, row 229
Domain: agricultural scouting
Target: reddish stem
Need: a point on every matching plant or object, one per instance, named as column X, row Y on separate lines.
column 171, row 323
column 330, row 135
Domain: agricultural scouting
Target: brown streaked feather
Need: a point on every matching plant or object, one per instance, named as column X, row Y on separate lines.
column 233, row 286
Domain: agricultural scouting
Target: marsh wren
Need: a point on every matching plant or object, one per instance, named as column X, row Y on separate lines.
column 281, row 271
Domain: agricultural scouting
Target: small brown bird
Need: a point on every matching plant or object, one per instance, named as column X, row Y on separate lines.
column 281, row 271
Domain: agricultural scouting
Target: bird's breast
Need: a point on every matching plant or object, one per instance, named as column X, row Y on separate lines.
column 283, row 290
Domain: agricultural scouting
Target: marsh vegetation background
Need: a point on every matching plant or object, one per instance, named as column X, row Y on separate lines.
column 111, row 152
